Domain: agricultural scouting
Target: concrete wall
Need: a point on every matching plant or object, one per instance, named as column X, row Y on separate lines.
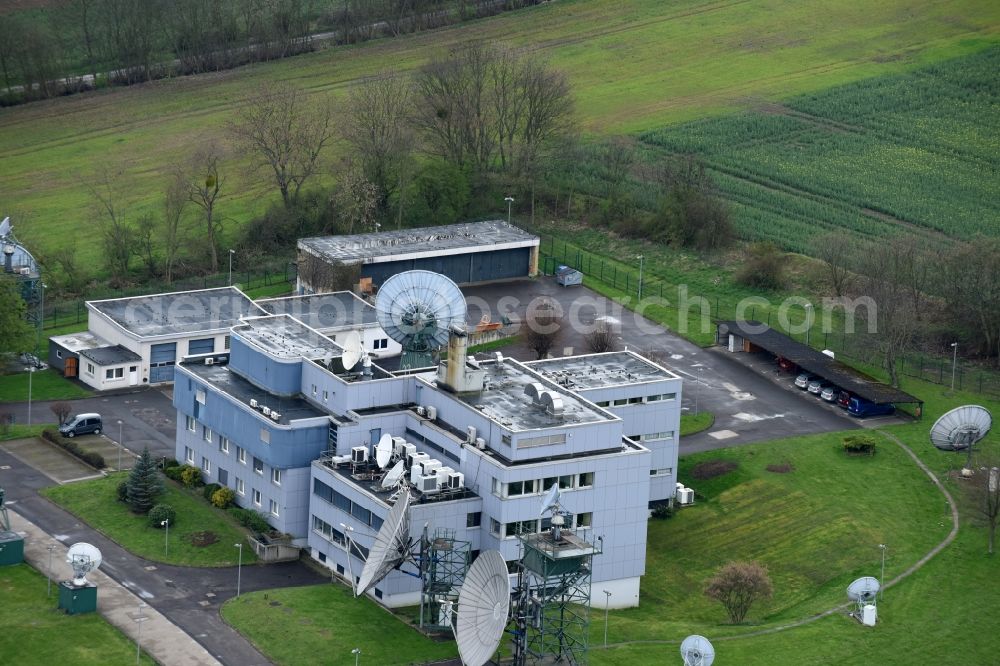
column 278, row 376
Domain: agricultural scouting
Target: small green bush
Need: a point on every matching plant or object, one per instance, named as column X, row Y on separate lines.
column 170, row 462
column 95, row 460
column 191, row 476
column 209, row 490
column 251, row 520
column 122, row 490
column 663, row 511
column 860, row 444
column 162, row 512
column 174, row 472
column 223, row 498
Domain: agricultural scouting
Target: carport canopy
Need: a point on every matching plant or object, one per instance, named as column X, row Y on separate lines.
column 813, row 361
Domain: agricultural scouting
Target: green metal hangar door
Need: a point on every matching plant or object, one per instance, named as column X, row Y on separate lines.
column 466, row 253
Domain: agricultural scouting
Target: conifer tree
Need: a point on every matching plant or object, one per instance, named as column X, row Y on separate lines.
column 144, row 484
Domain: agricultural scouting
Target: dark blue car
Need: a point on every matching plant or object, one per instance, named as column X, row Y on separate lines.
column 861, row 408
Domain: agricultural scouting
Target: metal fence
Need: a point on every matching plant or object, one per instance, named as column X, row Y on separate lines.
column 858, row 345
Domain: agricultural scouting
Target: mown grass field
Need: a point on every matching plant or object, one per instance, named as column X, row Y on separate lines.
column 36, row 633
column 45, row 385
column 96, row 503
column 635, row 66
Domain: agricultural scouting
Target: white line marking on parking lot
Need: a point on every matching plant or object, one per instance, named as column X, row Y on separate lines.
column 723, row 434
column 753, row 418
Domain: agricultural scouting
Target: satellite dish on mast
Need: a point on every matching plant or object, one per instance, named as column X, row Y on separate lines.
column 961, row 429
column 83, row 558
column 697, row 651
column 391, row 548
column 483, row 608
column 383, row 451
column 353, row 350
column 417, row 309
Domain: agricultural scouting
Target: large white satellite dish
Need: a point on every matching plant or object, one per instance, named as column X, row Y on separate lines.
column 391, row 547
column 393, row 476
column 863, row 589
column 697, row 651
column 383, row 451
column 417, row 309
column 353, row 350
column 960, row 428
column 83, row 558
column 483, row 608
column 551, row 499
column 5, row 227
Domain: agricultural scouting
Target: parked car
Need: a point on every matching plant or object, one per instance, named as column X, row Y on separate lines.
column 81, row 424
column 785, row 364
column 817, row 386
column 844, row 399
column 829, row 394
column 802, row 381
column 860, row 407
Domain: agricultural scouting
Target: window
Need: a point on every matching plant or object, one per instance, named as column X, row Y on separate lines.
column 326, row 396
column 199, row 396
column 206, row 433
column 206, row 465
column 474, row 519
column 265, row 435
column 189, row 454
column 516, row 488
column 240, row 489
column 322, row 491
column 619, row 402
column 114, row 373
column 663, row 471
column 381, row 343
column 256, row 497
column 505, row 439
column 584, row 519
column 241, row 454
column 661, row 397
column 258, row 466
column 223, row 444
column 635, row 401
column 520, row 527
column 189, row 422
column 223, row 477
column 314, row 390
column 276, row 476
column 133, row 368
column 109, row 374
column 495, row 527
column 226, row 344
column 90, row 368
column 58, row 353
column 496, row 487
column 273, row 508
column 585, row 480
column 603, row 403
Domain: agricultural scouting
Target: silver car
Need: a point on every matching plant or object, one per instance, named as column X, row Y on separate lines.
column 802, row 381
column 829, row 394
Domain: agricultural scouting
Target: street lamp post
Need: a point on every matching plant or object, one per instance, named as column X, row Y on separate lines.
column 166, row 538
column 607, row 603
column 48, row 590
column 954, row 362
column 239, row 568
column 31, row 373
column 231, row 253
column 640, row 258
column 121, row 445
column 138, row 638
column 357, row 655
column 808, row 321
column 510, row 202
column 881, row 580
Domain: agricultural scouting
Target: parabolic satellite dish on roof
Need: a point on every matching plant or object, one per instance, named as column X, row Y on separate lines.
column 483, row 608
column 353, row 350
column 417, row 309
column 83, row 558
column 697, row 651
column 391, row 547
column 383, row 451
column 393, row 476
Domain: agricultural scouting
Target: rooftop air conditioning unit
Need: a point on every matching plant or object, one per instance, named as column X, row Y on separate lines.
column 432, row 412
column 210, row 360
column 359, row 455
column 266, row 410
column 442, row 474
column 408, row 451
column 415, row 473
column 340, row 460
column 421, row 411
column 253, row 403
column 416, row 458
column 428, row 484
column 480, row 443
column 398, row 446
column 275, row 415
column 471, row 432
column 685, row 496
column 456, row 480
column 430, row 466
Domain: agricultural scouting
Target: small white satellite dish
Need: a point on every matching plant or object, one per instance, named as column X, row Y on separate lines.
column 83, row 558
column 483, row 608
column 5, row 227
column 863, row 589
column 383, row 451
column 697, row 651
column 551, row 499
column 353, row 350
column 390, row 548
column 393, row 476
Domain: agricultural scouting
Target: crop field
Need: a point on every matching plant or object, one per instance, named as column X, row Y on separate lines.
column 917, row 153
column 634, row 66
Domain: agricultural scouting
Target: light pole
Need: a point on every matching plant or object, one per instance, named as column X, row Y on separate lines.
column 121, row 445
column 954, row 362
column 166, row 539
column 138, row 638
column 48, row 590
column 881, row 580
column 231, row 253
column 510, row 202
column 239, row 568
column 640, row 258
column 808, row 307
column 357, row 655
column 31, row 372
column 607, row 603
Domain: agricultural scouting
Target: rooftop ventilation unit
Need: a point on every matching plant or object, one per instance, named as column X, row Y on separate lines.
column 210, row 360
column 408, row 451
column 415, row 459
column 685, row 496
column 442, row 475
column 534, row 391
column 340, row 460
column 553, row 403
column 359, row 455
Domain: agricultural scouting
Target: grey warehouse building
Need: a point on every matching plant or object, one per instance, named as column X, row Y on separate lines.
column 467, row 253
column 292, row 432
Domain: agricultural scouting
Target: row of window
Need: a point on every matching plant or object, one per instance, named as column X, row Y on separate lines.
column 224, row 445
column 637, row 400
column 206, row 467
column 206, row 433
column 652, row 436
column 331, row 496
column 333, row 535
column 663, row 471
column 536, row 486
column 536, row 525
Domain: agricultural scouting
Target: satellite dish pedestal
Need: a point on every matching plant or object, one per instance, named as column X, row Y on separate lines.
column 11, row 543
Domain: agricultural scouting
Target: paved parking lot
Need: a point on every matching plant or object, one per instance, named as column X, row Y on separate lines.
column 49, row 459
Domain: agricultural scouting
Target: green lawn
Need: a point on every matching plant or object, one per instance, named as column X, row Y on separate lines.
column 635, row 65
column 36, row 633
column 19, row 431
column 694, row 423
column 96, row 503
column 321, row 624
column 45, row 385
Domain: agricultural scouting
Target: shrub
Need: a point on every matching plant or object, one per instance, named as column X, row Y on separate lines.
column 663, row 511
column 162, row 512
column 860, row 444
column 251, row 520
column 170, row 462
column 122, row 491
column 764, row 267
column 191, row 476
column 91, row 458
column 223, row 498
column 174, row 473
column 209, row 490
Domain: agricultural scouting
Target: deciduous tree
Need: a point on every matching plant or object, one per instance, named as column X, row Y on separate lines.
column 542, row 327
column 737, row 586
column 15, row 333
column 204, row 189
column 837, row 251
column 983, row 495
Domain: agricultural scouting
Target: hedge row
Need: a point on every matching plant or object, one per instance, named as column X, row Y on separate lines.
column 93, row 459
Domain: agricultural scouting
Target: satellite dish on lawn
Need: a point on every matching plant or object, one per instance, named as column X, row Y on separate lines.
column 863, row 589
column 383, row 451
column 391, row 547
column 483, row 608
column 417, row 309
column 353, row 350
column 697, row 651
column 393, row 476
column 83, row 558
column 961, row 428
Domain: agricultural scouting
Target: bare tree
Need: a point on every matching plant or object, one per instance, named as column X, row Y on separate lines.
column 6, row 421
column 117, row 233
column 836, row 250
column 174, row 201
column 737, row 585
column 357, row 199
column 282, row 131
column 542, row 327
column 982, row 493
column 61, row 409
column 970, row 276
column 602, row 338
column 204, row 189
column 145, row 243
